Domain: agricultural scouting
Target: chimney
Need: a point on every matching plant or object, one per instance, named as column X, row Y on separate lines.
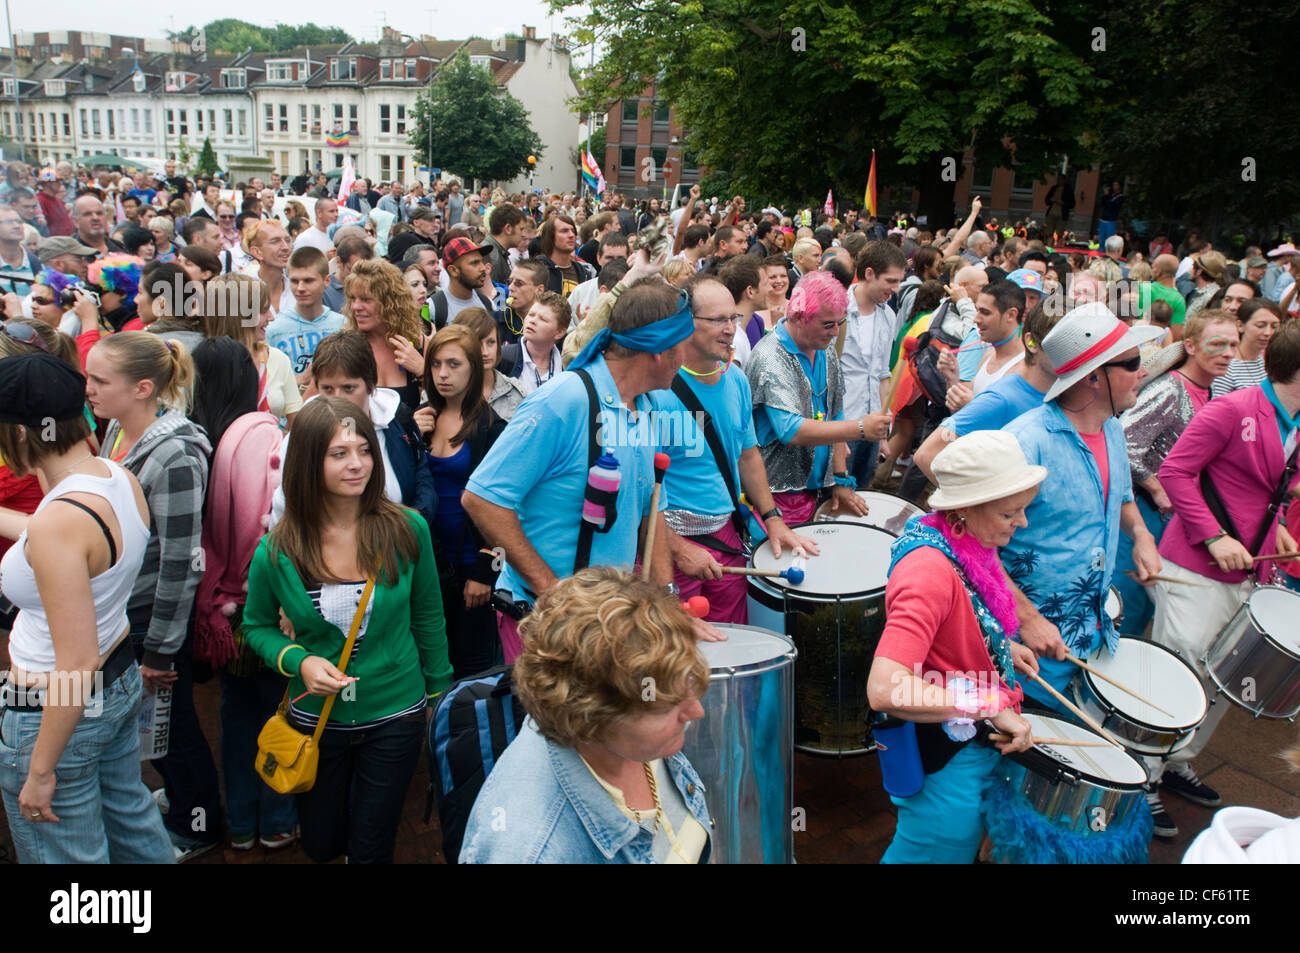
column 530, row 32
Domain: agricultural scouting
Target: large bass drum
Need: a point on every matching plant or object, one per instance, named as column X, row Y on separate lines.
column 835, row 618
column 743, row 748
column 1255, row 659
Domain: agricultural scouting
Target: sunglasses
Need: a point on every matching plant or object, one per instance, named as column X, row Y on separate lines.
column 1131, row 365
column 24, row 334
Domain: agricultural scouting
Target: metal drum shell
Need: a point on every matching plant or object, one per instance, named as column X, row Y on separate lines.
column 1060, row 794
column 1244, row 649
column 1136, row 735
column 743, row 751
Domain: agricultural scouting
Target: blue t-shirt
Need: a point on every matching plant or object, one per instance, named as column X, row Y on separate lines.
column 969, row 357
column 538, row 469
column 692, row 482
column 298, row 337
column 771, row 424
column 144, row 195
column 994, row 408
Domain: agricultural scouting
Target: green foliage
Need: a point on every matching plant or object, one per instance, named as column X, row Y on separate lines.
column 207, row 163
column 599, row 139
column 234, row 36
column 477, row 131
column 791, row 96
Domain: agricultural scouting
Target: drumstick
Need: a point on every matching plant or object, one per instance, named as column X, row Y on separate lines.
column 1067, row 742
column 1124, row 688
column 794, row 573
column 1156, row 577
column 1276, row 556
column 1076, row 710
column 661, row 464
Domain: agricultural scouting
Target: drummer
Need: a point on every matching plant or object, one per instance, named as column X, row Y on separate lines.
column 1242, row 443
column 945, row 659
column 1062, row 563
column 798, row 392
column 707, row 527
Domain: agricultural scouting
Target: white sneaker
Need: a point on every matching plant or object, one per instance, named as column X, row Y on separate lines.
column 160, row 798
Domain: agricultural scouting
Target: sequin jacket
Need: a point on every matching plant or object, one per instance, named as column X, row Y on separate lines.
column 777, row 380
column 1153, row 425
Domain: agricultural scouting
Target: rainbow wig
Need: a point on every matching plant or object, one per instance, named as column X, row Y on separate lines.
column 818, row 295
column 57, row 281
column 118, row 273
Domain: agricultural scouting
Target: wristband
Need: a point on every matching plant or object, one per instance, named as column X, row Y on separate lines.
column 1215, row 539
column 861, row 432
column 971, row 699
column 845, row 479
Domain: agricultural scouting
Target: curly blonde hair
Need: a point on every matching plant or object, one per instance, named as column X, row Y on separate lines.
column 397, row 311
column 599, row 647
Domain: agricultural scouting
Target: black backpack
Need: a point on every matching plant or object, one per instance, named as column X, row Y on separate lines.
column 473, row 722
column 925, row 359
column 438, row 308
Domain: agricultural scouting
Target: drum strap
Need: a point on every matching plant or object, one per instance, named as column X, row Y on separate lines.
column 586, row 529
column 692, row 402
column 1220, row 512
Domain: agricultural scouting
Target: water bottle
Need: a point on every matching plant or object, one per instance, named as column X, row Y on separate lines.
column 603, row 478
column 900, row 757
column 155, row 723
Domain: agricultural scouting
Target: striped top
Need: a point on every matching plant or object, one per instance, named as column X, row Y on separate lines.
column 1241, row 374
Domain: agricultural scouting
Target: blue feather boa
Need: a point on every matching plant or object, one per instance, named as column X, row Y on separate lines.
column 1021, row 835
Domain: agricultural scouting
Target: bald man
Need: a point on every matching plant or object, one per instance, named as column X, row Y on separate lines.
column 1161, row 287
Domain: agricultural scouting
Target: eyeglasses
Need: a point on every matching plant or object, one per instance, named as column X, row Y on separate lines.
column 720, row 322
column 25, row 334
column 832, row 325
column 1131, row 365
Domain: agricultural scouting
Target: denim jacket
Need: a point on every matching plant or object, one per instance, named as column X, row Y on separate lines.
column 1063, row 560
column 541, row 805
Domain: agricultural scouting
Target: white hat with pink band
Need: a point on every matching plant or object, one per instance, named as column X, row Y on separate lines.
column 1085, row 339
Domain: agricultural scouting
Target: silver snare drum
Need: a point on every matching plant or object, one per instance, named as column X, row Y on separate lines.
column 1255, row 659
column 884, row 511
column 743, row 748
column 1084, row 790
column 1160, row 676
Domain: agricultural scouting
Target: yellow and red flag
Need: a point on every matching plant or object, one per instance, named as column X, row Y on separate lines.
column 869, row 200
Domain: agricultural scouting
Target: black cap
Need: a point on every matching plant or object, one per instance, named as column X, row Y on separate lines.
column 36, row 388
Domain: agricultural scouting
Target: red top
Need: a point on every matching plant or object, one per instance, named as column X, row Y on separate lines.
column 57, row 219
column 21, row 494
column 930, row 624
column 1097, row 444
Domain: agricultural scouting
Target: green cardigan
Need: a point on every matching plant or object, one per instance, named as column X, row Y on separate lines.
column 403, row 654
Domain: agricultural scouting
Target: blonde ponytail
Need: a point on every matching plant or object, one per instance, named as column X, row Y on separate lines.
column 144, row 356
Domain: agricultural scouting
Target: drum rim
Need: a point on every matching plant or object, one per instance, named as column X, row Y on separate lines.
column 1092, row 682
column 1036, row 754
column 876, row 493
column 771, row 585
column 1258, row 625
column 755, row 668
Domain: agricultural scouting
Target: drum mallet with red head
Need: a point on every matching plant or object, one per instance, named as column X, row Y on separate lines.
column 697, row 607
column 661, row 465
column 794, row 574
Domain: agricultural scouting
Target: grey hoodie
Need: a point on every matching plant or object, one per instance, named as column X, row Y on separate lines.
column 171, row 462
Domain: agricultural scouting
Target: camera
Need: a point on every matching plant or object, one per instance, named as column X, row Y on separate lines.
column 68, row 297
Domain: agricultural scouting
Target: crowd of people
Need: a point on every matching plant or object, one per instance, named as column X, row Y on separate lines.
column 344, row 450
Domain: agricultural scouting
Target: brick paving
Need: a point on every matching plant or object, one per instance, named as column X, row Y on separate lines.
column 848, row 816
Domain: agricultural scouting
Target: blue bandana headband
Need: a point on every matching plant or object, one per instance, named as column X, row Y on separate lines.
column 653, row 338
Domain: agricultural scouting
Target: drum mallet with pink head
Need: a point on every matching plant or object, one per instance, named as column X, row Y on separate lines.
column 794, row 574
column 661, row 465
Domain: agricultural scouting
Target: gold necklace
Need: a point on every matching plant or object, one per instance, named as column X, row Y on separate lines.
column 654, row 793
column 54, row 481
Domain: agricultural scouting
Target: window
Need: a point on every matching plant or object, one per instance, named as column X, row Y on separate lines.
column 627, row 159
column 630, row 110
column 661, row 114
column 55, row 87
column 401, row 120
column 410, row 69
column 981, row 178
column 243, row 123
column 185, row 128
column 401, row 167
column 268, row 124
column 148, row 121
column 384, row 121
column 135, row 121
column 7, row 119
column 67, row 125
column 284, row 117
column 315, row 160
column 481, row 61
column 343, row 69
column 42, row 124
column 315, row 119
column 54, row 126
column 229, row 116
column 85, row 130
column 175, row 80
column 385, row 71
column 18, row 116
column 302, row 119
column 338, row 160
column 338, row 114
column 352, row 120
column 112, row 126
column 212, row 121
column 306, row 159
column 94, row 122
column 284, row 162
column 385, row 168
column 279, row 72
column 233, row 79
column 198, row 121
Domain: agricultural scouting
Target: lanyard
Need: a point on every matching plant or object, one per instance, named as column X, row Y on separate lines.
column 550, row 367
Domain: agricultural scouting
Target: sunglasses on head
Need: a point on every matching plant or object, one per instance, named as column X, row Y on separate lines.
column 24, row 334
column 1131, row 365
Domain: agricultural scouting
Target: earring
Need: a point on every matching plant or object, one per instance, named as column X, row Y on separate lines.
column 956, row 526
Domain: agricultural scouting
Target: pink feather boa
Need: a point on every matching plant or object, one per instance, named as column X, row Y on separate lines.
column 984, row 570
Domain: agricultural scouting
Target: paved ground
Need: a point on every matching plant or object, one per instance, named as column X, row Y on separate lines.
column 849, row 817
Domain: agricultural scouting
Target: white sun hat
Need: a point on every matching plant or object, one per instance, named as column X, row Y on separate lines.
column 1085, row 339
column 984, row 465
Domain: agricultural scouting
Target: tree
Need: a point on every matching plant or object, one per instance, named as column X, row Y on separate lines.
column 207, row 163
column 476, row 130
column 234, row 36
column 791, row 96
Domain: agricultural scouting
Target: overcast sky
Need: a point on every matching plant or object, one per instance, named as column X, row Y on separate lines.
column 445, row 20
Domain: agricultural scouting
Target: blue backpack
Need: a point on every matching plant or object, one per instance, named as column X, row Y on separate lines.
column 472, row 724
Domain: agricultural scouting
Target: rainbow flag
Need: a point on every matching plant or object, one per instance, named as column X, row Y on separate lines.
column 869, row 200
column 336, row 139
column 591, row 175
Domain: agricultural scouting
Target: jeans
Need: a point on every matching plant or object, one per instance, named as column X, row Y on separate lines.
column 864, row 457
column 473, row 645
column 251, row 806
column 188, row 771
column 361, row 783
column 1138, row 607
column 105, row 812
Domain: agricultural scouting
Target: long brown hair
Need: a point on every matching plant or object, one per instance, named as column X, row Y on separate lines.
column 396, row 310
column 472, row 404
column 384, row 531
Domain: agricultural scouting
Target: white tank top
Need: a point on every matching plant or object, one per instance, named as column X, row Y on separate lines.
column 30, row 644
column 984, row 380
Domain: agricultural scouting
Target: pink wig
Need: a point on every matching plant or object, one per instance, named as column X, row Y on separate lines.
column 818, row 295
